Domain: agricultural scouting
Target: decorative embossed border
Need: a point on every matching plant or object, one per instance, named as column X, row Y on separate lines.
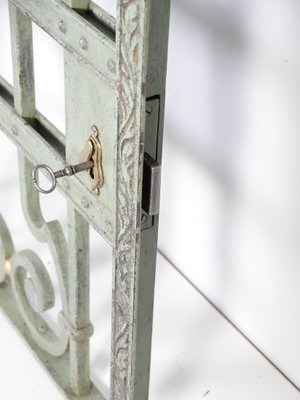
column 132, row 42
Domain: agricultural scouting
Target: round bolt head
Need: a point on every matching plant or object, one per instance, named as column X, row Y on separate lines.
column 84, row 203
column 149, row 109
column 42, row 328
column 108, row 226
column 94, row 130
column 65, row 184
column 62, row 27
column 111, row 66
column 83, row 43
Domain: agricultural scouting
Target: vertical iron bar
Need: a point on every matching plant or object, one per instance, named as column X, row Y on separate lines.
column 23, row 68
column 79, row 314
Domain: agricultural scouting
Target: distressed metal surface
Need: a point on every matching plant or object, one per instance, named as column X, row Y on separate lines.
column 50, row 149
column 108, row 82
column 141, row 70
column 88, row 44
column 22, row 53
column 57, row 367
column 132, row 33
column 96, row 107
column 151, row 185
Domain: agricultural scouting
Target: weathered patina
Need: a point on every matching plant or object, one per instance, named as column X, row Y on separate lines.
column 115, row 81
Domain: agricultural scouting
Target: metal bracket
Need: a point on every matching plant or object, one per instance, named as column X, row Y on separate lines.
column 151, row 185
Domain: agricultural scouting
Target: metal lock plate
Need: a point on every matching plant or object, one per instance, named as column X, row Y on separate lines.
column 93, row 151
column 91, row 101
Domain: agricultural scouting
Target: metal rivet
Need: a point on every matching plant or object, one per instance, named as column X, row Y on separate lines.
column 83, row 43
column 62, row 27
column 85, row 203
column 65, row 184
column 14, row 131
column 111, row 65
column 42, row 328
column 149, row 109
column 108, row 226
column 94, row 130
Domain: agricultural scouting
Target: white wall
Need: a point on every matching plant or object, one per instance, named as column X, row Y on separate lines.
column 230, row 215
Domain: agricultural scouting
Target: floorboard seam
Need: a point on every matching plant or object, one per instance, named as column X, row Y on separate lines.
column 229, row 321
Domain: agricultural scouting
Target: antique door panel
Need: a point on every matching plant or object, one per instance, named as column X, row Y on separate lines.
column 100, row 112
column 114, row 102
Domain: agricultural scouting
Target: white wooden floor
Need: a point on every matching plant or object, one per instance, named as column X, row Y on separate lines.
column 196, row 352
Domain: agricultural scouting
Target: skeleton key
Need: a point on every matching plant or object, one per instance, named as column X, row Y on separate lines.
column 91, row 157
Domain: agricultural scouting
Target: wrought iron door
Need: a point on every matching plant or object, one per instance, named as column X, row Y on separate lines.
column 114, row 85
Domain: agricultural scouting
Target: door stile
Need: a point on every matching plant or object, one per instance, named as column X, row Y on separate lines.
column 142, row 37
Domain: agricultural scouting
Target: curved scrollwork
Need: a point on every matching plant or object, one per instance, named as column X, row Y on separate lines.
column 6, row 247
column 34, row 294
column 30, row 281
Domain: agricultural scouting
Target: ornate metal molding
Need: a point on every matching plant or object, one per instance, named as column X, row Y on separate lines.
column 131, row 98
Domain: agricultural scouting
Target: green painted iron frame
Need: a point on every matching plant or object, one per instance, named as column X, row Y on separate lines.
column 115, row 79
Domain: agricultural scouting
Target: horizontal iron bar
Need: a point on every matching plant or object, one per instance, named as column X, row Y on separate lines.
column 76, row 34
column 38, row 149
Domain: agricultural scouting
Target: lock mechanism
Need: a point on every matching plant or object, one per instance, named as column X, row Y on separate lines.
column 91, row 162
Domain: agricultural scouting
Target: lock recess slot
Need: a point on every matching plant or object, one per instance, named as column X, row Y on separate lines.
column 152, row 166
